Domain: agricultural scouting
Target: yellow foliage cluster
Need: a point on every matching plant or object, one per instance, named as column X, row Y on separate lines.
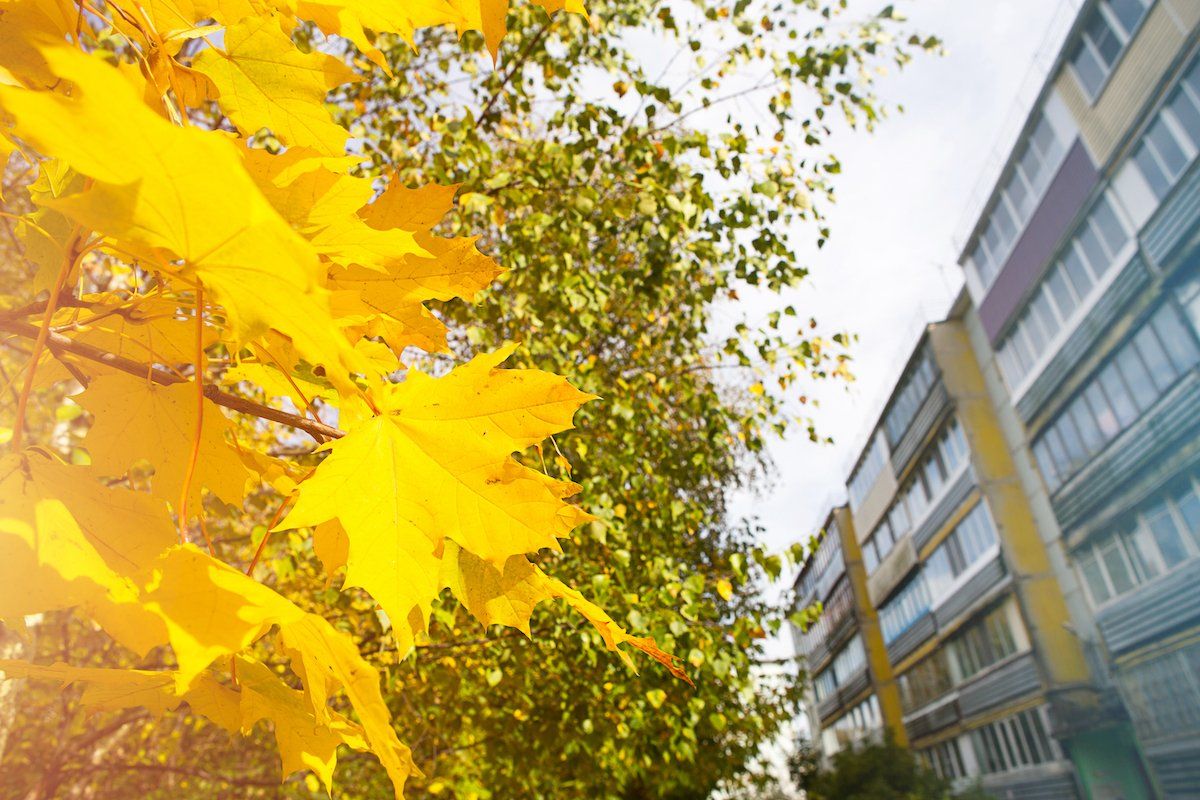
column 235, row 270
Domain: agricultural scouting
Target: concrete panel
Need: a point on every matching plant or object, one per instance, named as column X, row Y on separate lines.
column 1134, row 83
column 892, row 571
column 1052, row 222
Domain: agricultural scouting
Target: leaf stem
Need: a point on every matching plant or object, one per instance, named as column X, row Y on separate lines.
column 39, row 343
column 199, row 379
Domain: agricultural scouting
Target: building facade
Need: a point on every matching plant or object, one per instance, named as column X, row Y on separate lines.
column 1027, row 510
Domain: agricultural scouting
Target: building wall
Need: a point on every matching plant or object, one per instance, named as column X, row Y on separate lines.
column 1148, row 58
column 1044, row 608
column 883, row 681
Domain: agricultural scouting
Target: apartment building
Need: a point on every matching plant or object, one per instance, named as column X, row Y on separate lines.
column 1085, row 270
column 1025, row 517
column 851, row 692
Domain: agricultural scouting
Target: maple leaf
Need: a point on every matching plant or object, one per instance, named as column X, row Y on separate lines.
column 321, row 654
column 147, row 329
column 210, row 609
column 265, row 82
column 304, row 742
column 48, row 561
column 114, row 689
column 136, row 420
column 194, row 202
column 46, row 236
column 488, row 17
column 440, row 466
column 326, row 206
column 508, row 595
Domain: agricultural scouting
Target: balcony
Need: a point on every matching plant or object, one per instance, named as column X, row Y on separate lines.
column 913, row 636
column 1152, row 611
column 1003, row 683
column 1097, row 321
column 1177, row 766
column 1051, row 221
column 1055, row 781
column 953, row 493
column 892, row 570
column 1173, row 232
column 1175, row 416
column 985, row 583
column 933, row 718
column 933, row 409
column 843, row 696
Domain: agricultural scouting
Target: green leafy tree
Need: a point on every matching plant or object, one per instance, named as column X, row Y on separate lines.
column 635, row 196
column 883, row 771
column 631, row 198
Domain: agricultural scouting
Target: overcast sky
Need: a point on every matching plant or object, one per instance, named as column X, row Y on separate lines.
column 891, row 265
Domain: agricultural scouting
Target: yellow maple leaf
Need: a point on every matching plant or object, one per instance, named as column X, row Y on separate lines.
column 304, row 741
column 265, row 82
column 331, row 546
column 136, row 420
column 46, row 235
column 210, row 609
column 48, row 561
column 440, row 465
column 399, row 206
column 146, row 329
column 508, row 595
column 353, row 18
column 488, row 17
column 320, row 654
column 114, row 689
column 194, row 202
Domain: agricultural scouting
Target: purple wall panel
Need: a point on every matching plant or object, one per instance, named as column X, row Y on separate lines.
column 1070, row 188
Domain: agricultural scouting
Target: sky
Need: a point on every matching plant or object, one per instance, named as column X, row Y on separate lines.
column 907, row 195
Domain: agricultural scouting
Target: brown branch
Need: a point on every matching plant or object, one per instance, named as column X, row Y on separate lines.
column 230, row 780
column 59, row 343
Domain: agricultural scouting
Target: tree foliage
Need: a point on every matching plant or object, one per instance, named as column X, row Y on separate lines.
column 872, row 771
column 639, row 170
column 164, row 227
column 621, row 225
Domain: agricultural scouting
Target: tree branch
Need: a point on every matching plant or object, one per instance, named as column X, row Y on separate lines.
column 58, row 343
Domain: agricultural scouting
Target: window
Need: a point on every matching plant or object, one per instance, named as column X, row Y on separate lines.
column 1155, row 537
column 909, row 605
column 867, row 471
column 913, row 388
column 1066, row 291
column 824, row 684
column 986, row 640
column 1021, row 740
column 1140, row 372
column 849, row 661
column 1163, row 694
column 870, row 556
column 925, row 682
column 1015, row 202
column 942, row 461
column 853, row 726
column 974, row 536
column 1104, row 37
column 946, row 759
column 1173, row 138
